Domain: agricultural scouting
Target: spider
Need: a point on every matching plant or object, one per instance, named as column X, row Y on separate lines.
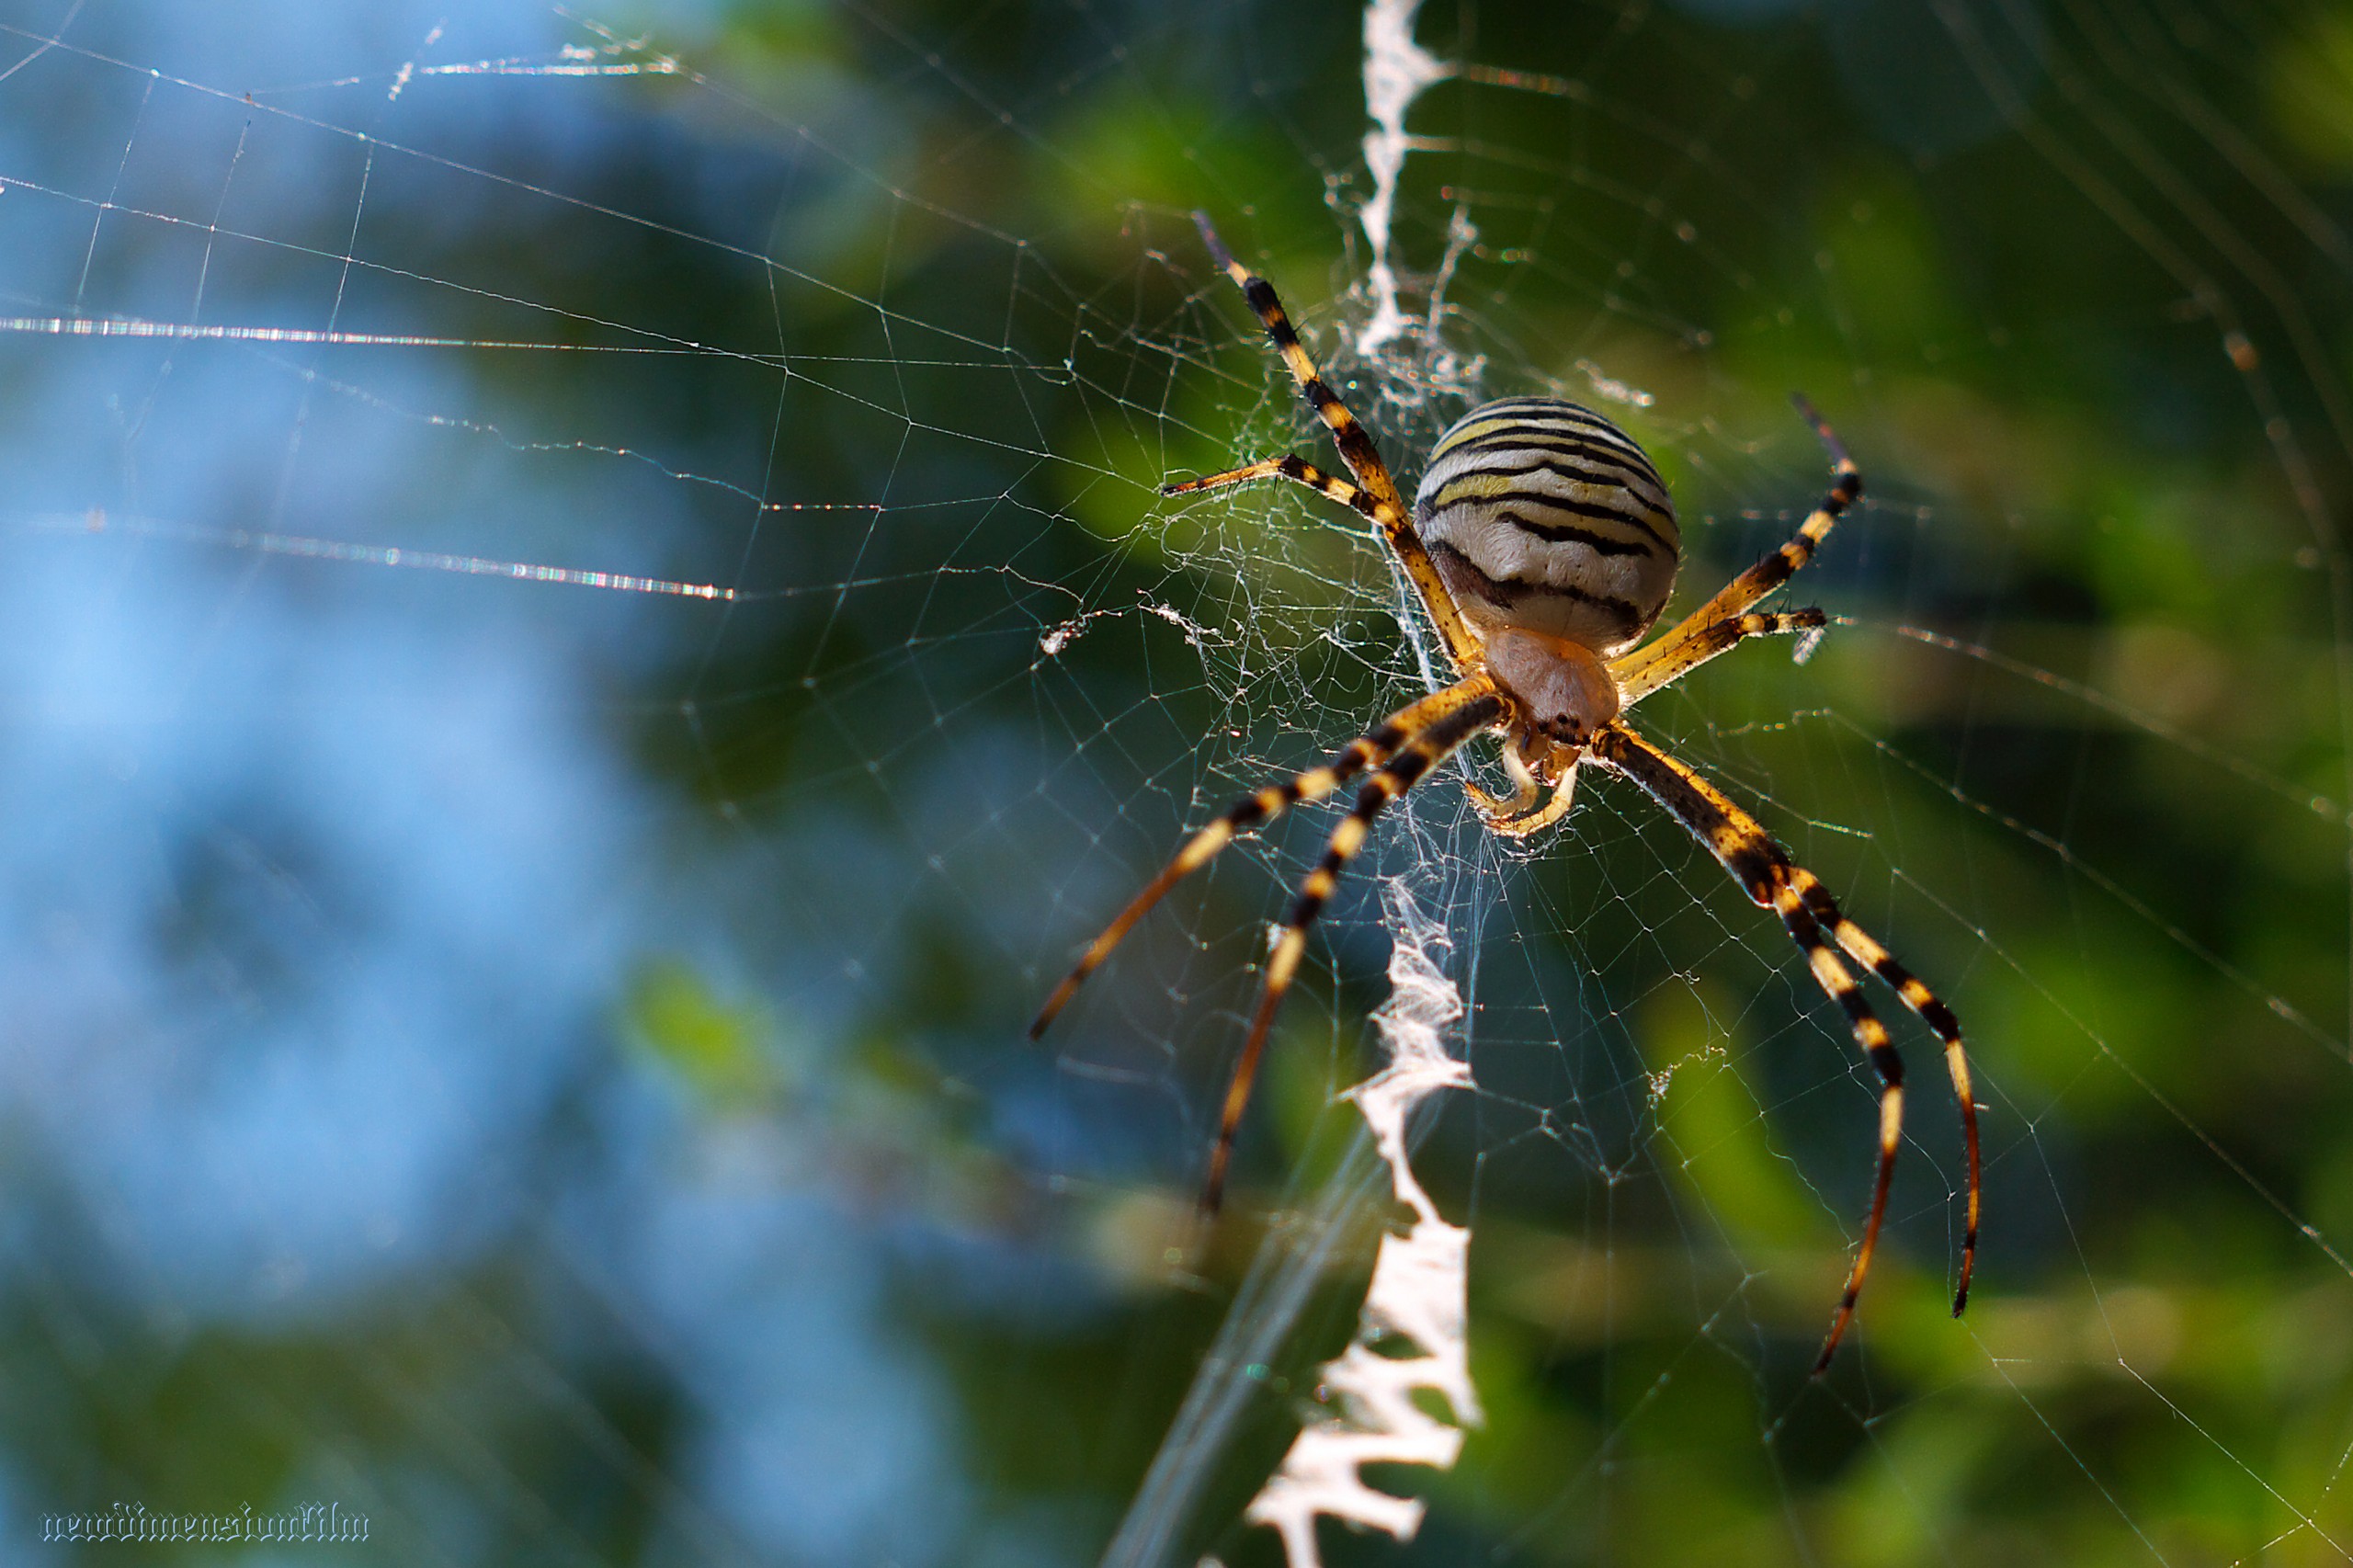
column 1543, row 544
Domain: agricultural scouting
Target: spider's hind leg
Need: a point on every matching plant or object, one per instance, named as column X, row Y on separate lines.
column 1383, row 503
column 1670, row 659
column 1735, row 598
column 1356, row 446
column 1298, row 471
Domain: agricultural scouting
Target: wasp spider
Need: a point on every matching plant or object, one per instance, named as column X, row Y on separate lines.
column 1543, row 544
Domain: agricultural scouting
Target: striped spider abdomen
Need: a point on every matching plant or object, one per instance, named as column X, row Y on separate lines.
column 1544, row 517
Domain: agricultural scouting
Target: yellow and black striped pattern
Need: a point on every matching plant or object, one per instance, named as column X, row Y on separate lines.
column 1542, row 516
column 1701, row 635
column 1719, row 637
column 1814, row 921
column 1256, row 810
column 1374, row 495
column 1401, row 773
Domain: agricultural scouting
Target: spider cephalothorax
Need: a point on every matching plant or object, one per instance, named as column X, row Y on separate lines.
column 1543, row 545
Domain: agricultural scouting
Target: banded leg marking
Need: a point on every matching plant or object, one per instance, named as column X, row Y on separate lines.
column 1401, row 773
column 1766, row 871
column 1870, row 1035
column 1866, row 950
column 1298, row 471
column 1256, row 810
column 1356, row 446
column 1356, row 450
column 1738, row 596
column 1641, row 674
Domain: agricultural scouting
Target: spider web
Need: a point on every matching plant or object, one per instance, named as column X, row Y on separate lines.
column 588, row 626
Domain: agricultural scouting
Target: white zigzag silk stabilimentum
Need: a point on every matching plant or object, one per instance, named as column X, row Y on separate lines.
column 1418, row 1294
column 1397, row 71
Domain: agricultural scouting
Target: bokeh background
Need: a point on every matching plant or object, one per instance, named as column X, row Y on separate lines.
column 540, row 1063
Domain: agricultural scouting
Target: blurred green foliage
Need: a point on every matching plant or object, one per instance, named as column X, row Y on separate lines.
column 2082, row 306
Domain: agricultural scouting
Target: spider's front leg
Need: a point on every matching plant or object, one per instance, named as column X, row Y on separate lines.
column 1812, row 916
column 1477, row 704
column 1254, row 810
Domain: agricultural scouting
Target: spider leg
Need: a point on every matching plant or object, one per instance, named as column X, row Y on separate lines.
column 1762, row 867
column 1735, row 597
column 1256, row 810
column 1866, row 950
column 1401, row 773
column 1356, row 450
column 1672, row 663
column 1299, row 472
column 1363, row 459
